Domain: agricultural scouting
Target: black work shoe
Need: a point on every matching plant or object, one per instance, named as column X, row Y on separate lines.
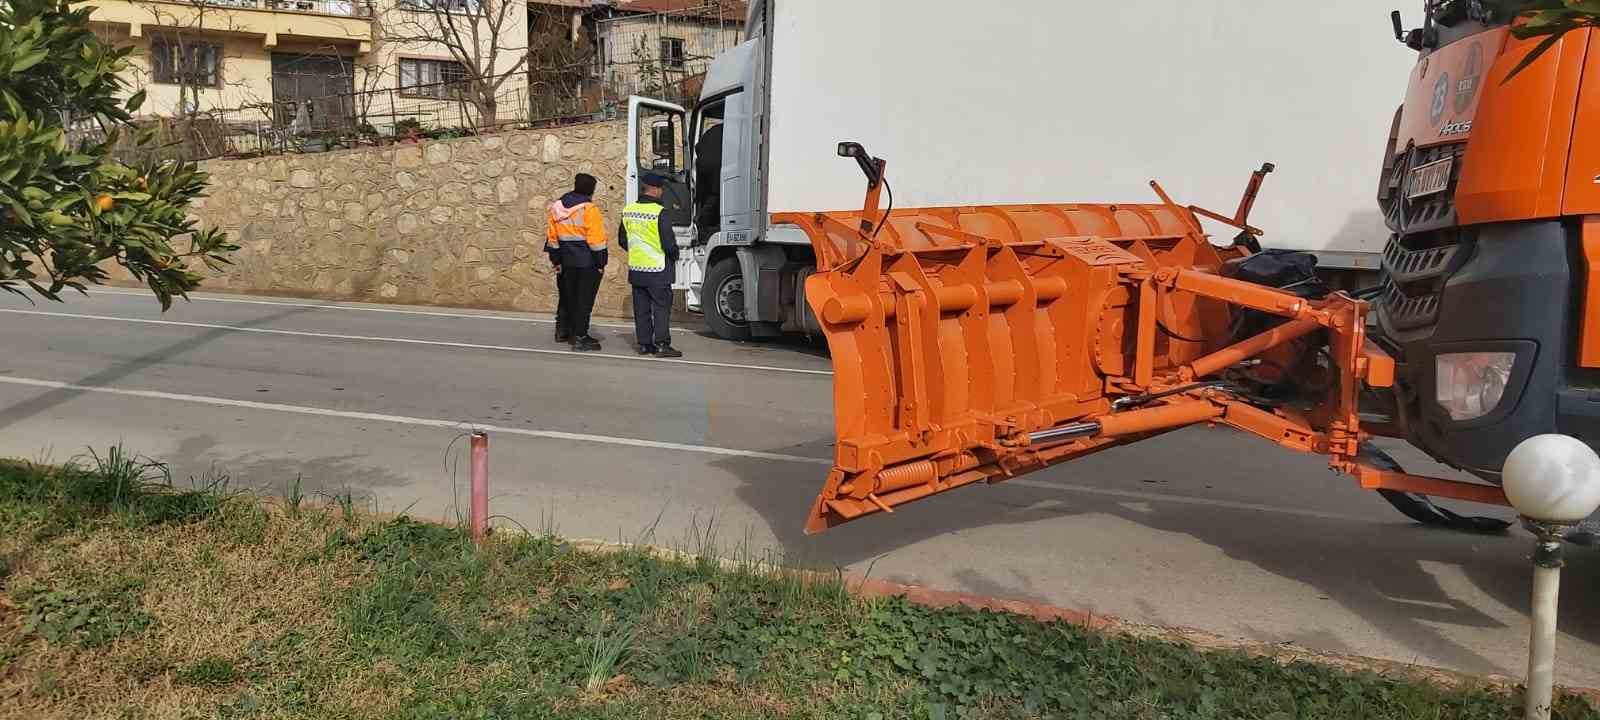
column 563, row 337
column 585, row 344
column 668, row 351
column 647, row 349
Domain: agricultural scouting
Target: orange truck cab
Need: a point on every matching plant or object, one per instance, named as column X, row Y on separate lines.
column 1491, row 188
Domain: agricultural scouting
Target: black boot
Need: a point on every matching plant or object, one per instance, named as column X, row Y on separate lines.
column 647, row 349
column 666, row 350
column 585, row 344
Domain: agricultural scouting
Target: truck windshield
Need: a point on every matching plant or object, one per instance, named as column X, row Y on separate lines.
column 1485, row 12
column 1450, row 20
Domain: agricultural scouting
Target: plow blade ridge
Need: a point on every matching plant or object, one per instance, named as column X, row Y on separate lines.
column 958, row 333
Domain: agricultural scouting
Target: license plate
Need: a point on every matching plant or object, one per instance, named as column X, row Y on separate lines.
column 1429, row 179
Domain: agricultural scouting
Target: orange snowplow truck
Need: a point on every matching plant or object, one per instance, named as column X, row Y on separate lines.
column 976, row 344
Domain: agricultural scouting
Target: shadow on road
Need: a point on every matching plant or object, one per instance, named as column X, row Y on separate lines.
column 796, row 344
column 46, row 401
column 1386, row 571
column 324, row 477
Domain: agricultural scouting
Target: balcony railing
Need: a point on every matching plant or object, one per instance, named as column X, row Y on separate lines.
column 348, row 8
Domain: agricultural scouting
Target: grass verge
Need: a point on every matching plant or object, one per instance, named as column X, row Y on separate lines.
column 121, row 597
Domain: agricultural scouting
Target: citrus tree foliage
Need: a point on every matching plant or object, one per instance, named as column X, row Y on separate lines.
column 66, row 205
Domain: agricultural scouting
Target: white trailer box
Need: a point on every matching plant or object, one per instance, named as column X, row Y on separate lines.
column 1027, row 101
column 1075, row 101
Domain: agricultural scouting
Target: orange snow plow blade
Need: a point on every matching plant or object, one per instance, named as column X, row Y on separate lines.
column 975, row 344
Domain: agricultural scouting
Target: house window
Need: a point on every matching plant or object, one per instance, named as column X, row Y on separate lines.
column 672, row 55
column 441, row 79
column 186, row 62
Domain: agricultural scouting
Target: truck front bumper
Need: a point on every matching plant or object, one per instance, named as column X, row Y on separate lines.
column 1505, row 288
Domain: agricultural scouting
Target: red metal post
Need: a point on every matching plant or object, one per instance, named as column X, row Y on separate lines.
column 480, row 485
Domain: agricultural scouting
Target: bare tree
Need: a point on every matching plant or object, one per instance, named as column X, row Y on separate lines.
column 561, row 60
column 184, row 49
column 479, row 35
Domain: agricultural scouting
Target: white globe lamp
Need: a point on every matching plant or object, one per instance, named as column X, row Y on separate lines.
column 1553, row 481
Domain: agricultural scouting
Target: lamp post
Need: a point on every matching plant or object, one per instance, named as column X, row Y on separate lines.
column 1553, row 481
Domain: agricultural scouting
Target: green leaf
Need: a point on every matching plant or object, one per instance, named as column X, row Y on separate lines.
column 1550, row 18
column 10, row 99
column 29, row 60
column 134, row 101
column 132, row 196
column 20, row 213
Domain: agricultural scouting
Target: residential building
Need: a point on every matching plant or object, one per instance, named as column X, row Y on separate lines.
column 660, row 47
column 280, row 61
column 294, row 68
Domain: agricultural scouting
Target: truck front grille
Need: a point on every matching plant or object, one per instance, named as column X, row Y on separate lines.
column 1413, row 280
column 1433, row 212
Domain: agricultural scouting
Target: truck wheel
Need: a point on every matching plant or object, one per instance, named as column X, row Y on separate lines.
column 1419, row 507
column 722, row 300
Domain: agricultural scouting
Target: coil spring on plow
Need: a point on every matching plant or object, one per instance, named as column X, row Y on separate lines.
column 980, row 343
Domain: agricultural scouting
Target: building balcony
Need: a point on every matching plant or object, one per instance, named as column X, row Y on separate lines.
column 341, row 22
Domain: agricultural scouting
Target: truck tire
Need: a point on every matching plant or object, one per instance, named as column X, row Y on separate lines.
column 1419, row 507
column 722, row 300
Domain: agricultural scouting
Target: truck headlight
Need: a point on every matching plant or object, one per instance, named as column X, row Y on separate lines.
column 1470, row 385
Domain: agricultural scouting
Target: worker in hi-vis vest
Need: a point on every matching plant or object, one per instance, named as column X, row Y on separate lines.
column 576, row 244
column 652, row 248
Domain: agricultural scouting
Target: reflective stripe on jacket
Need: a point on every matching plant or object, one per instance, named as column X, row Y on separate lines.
column 641, row 221
column 579, row 223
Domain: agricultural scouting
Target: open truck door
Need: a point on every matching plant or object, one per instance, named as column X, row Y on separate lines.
column 657, row 143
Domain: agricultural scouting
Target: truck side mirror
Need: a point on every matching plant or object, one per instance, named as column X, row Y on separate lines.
column 1415, row 38
column 663, row 142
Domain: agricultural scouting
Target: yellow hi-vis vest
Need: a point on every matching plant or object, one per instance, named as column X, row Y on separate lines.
column 644, row 237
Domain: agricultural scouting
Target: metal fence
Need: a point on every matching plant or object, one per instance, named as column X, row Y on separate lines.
column 350, row 8
column 377, row 117
column 662, row 55
column 665, row 54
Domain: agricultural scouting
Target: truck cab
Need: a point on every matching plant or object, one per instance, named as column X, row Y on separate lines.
column 1490, row 188
column 743, row 274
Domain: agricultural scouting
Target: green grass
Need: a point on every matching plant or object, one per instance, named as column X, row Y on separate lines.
column 133, row 599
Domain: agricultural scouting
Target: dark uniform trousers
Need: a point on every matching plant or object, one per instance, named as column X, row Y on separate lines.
column 652, row 308
column 561, row 304
column 577, row 288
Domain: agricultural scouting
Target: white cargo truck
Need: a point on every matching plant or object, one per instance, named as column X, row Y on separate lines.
column 1020, row 102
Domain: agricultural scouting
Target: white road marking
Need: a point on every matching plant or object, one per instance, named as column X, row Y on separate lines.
column 636, row 442
column 413, row 341
column 362, row 308
column 421, row 422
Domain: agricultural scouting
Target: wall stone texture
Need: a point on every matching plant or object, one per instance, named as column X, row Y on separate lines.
column 444, row 222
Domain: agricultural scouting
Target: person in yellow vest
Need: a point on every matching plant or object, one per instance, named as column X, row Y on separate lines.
column 647, row 235
column 576, row 243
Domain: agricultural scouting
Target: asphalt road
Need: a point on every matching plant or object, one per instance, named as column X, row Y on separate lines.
column 1203, row 529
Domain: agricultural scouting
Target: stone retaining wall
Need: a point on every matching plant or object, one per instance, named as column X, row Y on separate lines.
column 445, row 222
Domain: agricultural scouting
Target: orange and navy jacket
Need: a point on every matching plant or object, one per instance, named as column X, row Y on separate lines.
column 576, row 234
